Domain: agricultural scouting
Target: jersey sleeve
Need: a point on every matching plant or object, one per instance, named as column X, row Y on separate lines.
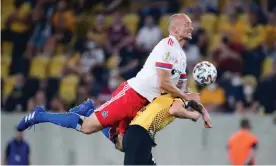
column 165, row 58
column 183, row 76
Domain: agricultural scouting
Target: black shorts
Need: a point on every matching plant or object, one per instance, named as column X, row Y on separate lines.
column 137, row 145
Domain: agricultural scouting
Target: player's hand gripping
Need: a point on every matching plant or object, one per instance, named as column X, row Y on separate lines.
column 192, row 96
column 205, row 115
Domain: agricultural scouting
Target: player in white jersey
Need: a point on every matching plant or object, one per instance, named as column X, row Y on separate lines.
column 167, row 56
column 164, row 67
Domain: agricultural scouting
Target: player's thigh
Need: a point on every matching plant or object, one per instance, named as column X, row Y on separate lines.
column 111, row 114
column 137, row 145
column 115, row 109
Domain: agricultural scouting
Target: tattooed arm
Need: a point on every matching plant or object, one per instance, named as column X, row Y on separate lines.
column 183, row 85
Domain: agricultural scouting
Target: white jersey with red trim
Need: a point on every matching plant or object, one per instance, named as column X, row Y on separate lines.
column 166, row 55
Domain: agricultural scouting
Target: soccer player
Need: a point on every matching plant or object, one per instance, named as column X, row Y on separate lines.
column 138, row 139
column 165, row 65
column 153, row 117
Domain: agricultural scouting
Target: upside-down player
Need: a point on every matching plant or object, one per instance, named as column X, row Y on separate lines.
column 164, row 67
column 138, row 139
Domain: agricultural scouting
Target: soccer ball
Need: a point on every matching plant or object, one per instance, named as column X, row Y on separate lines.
column 204, row 73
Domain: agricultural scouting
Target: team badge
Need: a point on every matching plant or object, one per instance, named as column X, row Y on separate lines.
column 104, row 114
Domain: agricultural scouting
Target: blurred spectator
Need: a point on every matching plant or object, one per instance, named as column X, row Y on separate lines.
column 17, row 100
column 242, row 145
column 253, row 61
column 31, row 105
column 91, row 86
column 38, row 100
column 82, row 95
column 196, row 13
column 233, row 86
column 265, row 89
column 233, row 28
column 270, row 35
column 47, row 5
column 239, row 43
column 226, row 58
column 17, row 151
column 17, row 31
column 62, row 27
column 37, row 40
column 193, row 55
column 247, row 103
column 255, row 33
column 57, row 105
column 253, row 40
column 94, row 55
column 113, row 82
column 200, row 39
column 149, row 35
column 128, row 66
column 18, row 23
column 209, row 5
column 98, row 33
column 79, row 6
column 234, row 5
column 118, row 35
column 212, row 97
column 64, row 13
column 159, row 7
column 77, row 64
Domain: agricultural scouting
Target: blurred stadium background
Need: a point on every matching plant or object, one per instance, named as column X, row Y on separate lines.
column 57, row 53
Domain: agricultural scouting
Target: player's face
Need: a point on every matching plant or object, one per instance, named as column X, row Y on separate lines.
column 185, row 29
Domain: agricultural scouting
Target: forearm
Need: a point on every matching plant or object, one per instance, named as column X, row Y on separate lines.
column 204, row 112
column 172, row 89
column 182, row 85
column 196, row 106
column 182, row 113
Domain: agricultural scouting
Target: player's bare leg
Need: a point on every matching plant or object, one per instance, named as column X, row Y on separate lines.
column 91, row 125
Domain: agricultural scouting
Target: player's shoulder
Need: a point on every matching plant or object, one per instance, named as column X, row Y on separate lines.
column 165, row 98
column 168, row 41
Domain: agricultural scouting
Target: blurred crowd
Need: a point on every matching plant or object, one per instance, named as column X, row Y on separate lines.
column 58, row 53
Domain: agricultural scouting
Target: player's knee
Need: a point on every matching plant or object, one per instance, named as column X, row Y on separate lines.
column 91, row 125
column 88, row 128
